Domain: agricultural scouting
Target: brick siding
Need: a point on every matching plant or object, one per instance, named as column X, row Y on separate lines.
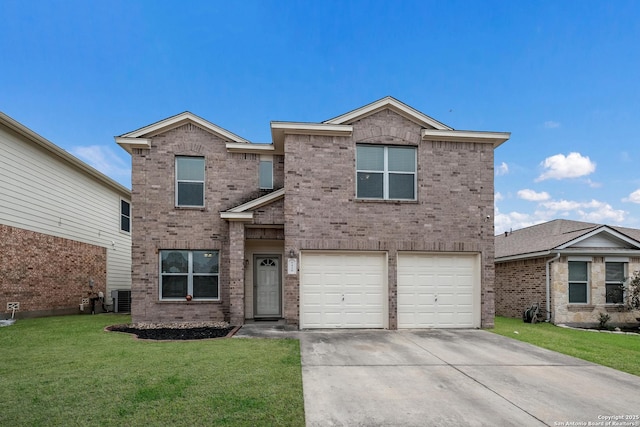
column 48, row 275
column 518, row 285
column 455, row 195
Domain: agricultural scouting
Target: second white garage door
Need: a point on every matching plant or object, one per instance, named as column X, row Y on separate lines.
column 438, row 291
column 343, row 289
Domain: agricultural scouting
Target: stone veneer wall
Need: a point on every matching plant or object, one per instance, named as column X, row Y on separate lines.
column 587, row 314
column 48, row 275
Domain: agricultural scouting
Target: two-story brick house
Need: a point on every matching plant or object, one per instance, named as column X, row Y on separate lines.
column 378, row 218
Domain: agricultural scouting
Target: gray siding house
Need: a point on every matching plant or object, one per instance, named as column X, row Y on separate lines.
column 64, row 228
column 378, row 218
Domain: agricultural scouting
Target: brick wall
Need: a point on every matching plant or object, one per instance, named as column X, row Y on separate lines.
column 455, row 195
column 518, row 285
column 47, row 275
column 231, row 179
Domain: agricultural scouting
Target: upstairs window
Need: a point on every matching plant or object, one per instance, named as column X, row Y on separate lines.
column 614, row 279
column 266, row 174
column 190, row 181
column 578, row 282
column 385, row 172
column 125, row 216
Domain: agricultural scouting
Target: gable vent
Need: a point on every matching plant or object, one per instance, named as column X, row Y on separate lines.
column 121, row 300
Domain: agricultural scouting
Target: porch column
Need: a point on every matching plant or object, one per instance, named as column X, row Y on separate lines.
column 236, row 272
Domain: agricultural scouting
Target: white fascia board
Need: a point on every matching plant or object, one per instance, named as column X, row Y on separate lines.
column 393, row 104
column 237, row 216
column 179, row 120
column 259, row 202
column 602, row 229
column 312, row 128
column 495, row 138
column 523, row 256
column 240, row 147
column 280, row 129
column 128, row 144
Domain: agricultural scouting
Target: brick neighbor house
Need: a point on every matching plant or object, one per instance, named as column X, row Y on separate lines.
column 575, row 268
column 379, row 218
column 64, row 229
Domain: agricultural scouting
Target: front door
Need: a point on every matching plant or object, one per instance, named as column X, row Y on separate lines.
column 266, row 286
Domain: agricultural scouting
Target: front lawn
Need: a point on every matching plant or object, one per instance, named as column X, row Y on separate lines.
column 67, row 371
column 617, row 351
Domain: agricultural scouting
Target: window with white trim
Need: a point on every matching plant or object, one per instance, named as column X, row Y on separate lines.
column 614, row 281
column 385, row 172
column 578, row 282
column 190, row 181
column 125, row 216
column 266, row 174
column 194, row 273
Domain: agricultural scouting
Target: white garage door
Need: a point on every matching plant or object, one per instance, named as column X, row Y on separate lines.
column 438, row 291
column 343, row 290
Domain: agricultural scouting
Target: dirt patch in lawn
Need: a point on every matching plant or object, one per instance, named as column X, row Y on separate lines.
column 176, row 331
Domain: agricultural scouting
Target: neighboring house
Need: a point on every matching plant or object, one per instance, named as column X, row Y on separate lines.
column 575, row 268
column 379, row 218
column 64, row 228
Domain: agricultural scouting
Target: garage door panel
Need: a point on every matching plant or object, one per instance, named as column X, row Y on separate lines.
column 343, row 290
column 437, row 290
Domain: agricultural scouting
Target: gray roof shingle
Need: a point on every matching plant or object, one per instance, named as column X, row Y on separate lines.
column 548, row 236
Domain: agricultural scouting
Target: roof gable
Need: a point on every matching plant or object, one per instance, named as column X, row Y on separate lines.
column 392, row 104
column 140, row 138
column 564, row 235
column 602, row 237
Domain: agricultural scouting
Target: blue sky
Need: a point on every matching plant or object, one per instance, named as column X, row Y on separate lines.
column 561, row 76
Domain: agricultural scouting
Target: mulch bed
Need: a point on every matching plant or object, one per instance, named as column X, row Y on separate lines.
column 172, row 333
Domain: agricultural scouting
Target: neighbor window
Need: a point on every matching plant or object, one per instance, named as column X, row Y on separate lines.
column 385, row 172
column 266, row 174
column 614, row 279
column 192, row 273
column 125, row 216
column 578, row 282
column 190, row 181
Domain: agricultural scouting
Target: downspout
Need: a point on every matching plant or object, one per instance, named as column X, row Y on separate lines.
column 549, row 285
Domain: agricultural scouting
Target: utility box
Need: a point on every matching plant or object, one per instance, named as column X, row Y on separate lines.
column 121, row 300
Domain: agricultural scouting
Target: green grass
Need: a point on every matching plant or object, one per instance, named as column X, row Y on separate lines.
column 67, row 371
column 618, row 351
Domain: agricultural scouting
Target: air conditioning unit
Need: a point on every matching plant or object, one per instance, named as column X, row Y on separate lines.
column 121, row 300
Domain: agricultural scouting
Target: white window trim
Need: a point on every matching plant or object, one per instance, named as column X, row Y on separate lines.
column 189, row 276
column 588, row 282
column 625, row 270
column 269, row 159
column 187, row 180
column 386, row 172
column 128, row 216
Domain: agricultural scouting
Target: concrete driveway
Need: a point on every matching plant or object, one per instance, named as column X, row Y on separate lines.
column 455, row 378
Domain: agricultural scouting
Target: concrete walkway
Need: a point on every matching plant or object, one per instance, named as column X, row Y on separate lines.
column 451, row 378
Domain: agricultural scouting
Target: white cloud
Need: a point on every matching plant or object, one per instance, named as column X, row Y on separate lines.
column 513, row 221
column 550, row 124
column 633, row 197
column 105, row 160
column 560, row 167
column 502, row 169
column 592, row 211
column 532, row 196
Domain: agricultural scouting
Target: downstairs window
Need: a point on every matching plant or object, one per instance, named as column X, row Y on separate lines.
column 192, row 273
